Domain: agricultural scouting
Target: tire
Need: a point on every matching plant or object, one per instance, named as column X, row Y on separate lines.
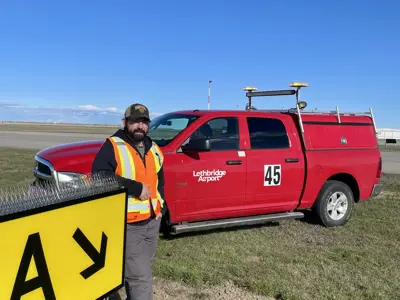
column 324, row 208
column 165, row 226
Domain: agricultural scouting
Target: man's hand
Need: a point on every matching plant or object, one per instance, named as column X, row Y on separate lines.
column 145, row 192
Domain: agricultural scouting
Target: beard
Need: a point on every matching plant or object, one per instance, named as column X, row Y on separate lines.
column 137, row 135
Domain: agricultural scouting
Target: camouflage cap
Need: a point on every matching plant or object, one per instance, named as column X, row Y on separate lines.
column 137, row 111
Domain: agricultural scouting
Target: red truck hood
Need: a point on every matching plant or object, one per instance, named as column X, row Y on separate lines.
column 72, row 157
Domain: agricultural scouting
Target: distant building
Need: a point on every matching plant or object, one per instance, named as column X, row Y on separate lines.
column 388, row 133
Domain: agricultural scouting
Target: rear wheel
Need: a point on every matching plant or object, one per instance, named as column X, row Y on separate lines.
column 334, row 204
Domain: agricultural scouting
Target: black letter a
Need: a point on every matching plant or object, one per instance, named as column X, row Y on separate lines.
column 33, row 249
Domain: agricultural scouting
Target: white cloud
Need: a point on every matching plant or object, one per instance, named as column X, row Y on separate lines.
column 5, row 103
column 88, row 114
column 112, row 109
column 88, row 107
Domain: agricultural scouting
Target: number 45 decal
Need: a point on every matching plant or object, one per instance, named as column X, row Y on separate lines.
column 272, row 175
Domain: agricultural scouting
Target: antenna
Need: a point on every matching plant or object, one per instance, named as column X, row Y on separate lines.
column 300, row 105
column 252, row 92
column 298, row 86
column 209, row 94
column 249, row 89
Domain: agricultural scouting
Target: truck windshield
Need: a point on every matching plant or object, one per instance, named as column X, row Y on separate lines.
column 163, row 129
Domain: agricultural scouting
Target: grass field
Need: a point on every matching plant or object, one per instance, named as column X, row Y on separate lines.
column 63, row 128
column 293, row 260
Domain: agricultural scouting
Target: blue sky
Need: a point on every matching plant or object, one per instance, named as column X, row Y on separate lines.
column 85, row 61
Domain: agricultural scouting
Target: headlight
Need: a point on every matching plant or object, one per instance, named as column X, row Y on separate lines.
column 74, row 179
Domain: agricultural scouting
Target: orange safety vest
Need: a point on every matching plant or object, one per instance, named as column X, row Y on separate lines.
column 130, row 165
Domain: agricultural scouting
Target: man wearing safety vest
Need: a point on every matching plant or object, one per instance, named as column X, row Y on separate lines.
column 138, row 162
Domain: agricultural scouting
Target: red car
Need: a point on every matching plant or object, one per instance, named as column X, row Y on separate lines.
column 232, row 167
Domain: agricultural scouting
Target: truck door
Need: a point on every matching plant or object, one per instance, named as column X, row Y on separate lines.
column 275, row 164
column 211, row 183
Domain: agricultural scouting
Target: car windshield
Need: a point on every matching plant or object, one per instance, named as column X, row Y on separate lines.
column 163, row 129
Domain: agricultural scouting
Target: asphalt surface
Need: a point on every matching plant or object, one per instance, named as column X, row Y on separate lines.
column 391, row 162
column 40, row 140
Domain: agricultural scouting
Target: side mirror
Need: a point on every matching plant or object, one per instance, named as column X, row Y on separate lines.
column 197, row 145
column 167, row 123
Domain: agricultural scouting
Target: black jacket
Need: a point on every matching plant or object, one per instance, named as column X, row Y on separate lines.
column 105, row 162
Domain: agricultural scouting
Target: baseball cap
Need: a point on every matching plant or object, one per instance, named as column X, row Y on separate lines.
column 137, row 111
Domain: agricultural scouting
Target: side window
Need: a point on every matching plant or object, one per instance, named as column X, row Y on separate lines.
column 223, row 133
column 267, row 133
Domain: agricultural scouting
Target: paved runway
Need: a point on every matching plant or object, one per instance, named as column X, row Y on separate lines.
column 391, row 162
column 40, row 140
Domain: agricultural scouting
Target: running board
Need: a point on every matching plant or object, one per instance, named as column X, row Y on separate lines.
column 233, row 222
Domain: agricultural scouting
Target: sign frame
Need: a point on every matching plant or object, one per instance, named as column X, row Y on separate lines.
column 77, row 201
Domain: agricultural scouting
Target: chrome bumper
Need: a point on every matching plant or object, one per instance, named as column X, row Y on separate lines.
column 376, row 190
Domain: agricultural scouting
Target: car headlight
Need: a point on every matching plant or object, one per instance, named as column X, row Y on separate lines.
column 74, row 179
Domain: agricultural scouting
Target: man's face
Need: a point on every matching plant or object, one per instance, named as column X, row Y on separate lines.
column 138, row 128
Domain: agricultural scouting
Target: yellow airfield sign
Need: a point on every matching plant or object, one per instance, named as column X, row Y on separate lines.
column 70, row 250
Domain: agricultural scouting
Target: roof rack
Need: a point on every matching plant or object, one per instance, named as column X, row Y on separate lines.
column 300, row 105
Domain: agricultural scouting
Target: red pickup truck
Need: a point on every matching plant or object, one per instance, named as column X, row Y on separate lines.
column 238, row 167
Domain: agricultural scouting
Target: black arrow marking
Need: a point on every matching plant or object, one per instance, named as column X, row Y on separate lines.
column 99, row 258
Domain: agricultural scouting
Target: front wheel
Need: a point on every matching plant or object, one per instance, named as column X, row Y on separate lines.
column 334, row 204
column 165, row 226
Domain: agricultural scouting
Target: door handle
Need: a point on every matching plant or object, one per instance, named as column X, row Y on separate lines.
column 291, row 160
column 234, row 162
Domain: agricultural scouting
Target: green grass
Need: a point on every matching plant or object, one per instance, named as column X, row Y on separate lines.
column 295, row 259
column 16, row 167
column 61, row 128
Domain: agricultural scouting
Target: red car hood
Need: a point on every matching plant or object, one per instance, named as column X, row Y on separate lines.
column 72, row 157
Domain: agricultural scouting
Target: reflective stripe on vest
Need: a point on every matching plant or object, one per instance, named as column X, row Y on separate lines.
column 130, row 165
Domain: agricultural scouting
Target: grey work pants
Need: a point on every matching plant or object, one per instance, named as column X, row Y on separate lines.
column 141, row 245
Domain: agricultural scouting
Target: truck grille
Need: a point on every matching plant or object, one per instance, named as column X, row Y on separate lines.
column 43, row 170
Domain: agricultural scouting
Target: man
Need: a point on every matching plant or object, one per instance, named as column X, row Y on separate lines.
column 138, row 163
